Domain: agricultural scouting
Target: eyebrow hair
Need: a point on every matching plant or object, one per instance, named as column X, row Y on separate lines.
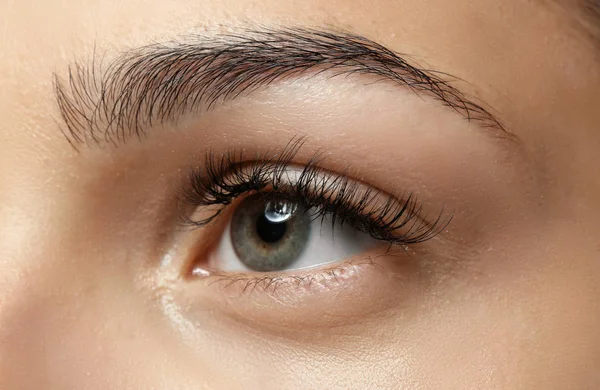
column 591, row 10
column 585, row 17
column 160, row 82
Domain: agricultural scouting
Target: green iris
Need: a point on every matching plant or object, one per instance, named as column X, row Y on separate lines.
column 269, row 234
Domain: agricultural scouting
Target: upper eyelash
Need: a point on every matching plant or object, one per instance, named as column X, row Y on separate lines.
column 224, row 178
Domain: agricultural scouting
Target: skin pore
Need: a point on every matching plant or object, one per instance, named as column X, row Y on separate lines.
column 96, row 287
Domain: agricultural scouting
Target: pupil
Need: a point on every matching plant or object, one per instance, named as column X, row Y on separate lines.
column 268, row 231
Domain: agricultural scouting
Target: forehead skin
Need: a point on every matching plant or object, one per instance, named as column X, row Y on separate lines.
column 523, row 59
column 506, row 51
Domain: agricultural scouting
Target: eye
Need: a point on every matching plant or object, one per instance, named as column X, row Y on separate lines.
column 275, row 234
column 280, row 216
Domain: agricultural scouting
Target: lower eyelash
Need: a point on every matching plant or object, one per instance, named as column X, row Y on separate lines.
column 225, row 178
column 320, row 279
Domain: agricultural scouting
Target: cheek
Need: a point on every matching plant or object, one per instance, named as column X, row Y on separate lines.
column 529, row 319
column 73, row 328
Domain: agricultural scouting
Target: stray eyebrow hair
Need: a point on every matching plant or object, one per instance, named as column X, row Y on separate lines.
column 158, row 83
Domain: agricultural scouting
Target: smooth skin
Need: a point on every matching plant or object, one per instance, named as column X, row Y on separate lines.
column 92, row 295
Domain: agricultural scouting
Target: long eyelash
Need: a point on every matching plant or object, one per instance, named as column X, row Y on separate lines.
column 225, row 178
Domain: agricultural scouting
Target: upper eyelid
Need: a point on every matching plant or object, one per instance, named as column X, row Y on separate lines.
column 226, row 177
column 158, row 83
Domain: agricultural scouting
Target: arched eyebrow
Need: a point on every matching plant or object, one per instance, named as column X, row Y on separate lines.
column 159, row 83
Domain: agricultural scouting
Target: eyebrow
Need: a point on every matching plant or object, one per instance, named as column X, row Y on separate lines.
column 585, row 17
column 161, row 82
column 591, row 12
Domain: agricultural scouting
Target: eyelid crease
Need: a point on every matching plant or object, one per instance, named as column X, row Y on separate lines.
column 386, row 217
column 158, row 83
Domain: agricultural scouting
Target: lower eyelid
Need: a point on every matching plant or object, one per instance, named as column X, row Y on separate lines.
column 308, row 280
column 334, row 295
